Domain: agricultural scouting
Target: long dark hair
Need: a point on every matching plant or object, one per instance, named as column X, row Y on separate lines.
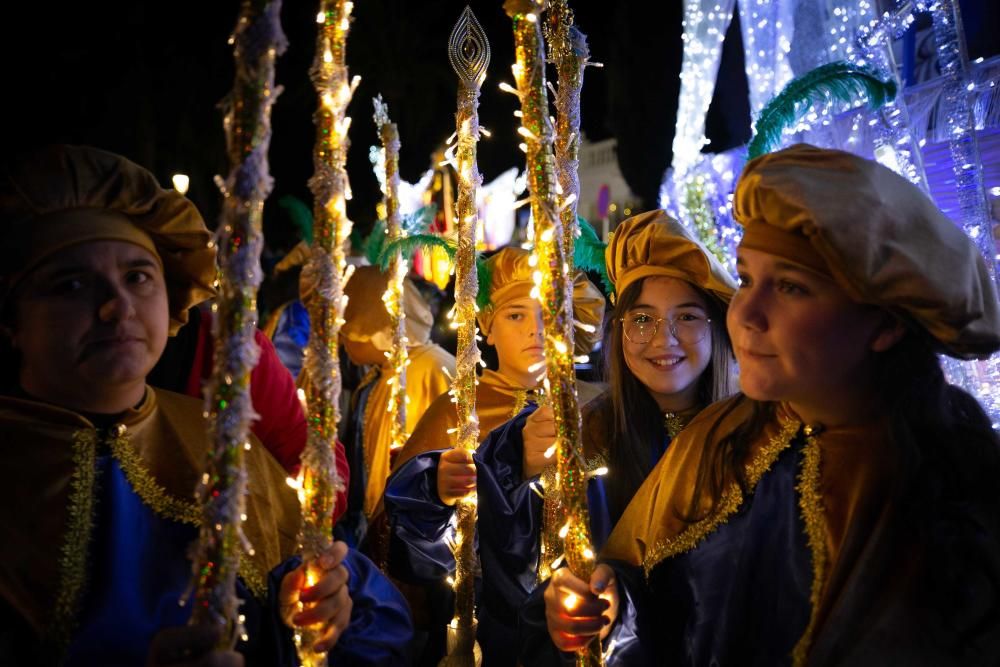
column 947, row 513
column 635, row 420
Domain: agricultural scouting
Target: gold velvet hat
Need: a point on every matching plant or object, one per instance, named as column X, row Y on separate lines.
column 367, row 320
column 511, row 278
column 880, row 238
column 654, row 244
column 47, row 200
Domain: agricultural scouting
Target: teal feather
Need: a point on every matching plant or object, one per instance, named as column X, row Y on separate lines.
column 407, row 245
column 374, row 243
column 839, row 80
column 485, row 278
column 301, row 216
column 588, row 253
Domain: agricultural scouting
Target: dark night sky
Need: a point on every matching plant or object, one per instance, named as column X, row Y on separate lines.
column 144, row 78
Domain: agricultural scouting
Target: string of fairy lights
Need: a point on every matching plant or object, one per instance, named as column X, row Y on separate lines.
column 551, row 277
column 318, row 481
column 469, row 54
column 398, row 268
column 257, row 40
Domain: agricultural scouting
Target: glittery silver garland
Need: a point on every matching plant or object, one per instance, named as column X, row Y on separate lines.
column 257, row 40
column 895, row 145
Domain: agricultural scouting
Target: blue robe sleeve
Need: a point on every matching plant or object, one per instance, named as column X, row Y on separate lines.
column 380, row 632
column 420, row 524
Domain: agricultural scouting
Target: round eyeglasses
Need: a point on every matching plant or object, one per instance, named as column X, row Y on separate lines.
column 687, row 328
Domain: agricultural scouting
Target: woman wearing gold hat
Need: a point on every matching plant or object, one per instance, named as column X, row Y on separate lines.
column 99, row 265
column 428, row 479
column 843, row 509
column 668, row 357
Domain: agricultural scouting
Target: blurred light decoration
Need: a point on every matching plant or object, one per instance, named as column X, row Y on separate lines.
column 469, row 53
column 496, row 201
column 958, row 110
column 327, row 268
column 181, row 183
column 257, row 40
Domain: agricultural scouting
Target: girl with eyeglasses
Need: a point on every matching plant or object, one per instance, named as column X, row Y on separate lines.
column 667, row 357
column 843, row 509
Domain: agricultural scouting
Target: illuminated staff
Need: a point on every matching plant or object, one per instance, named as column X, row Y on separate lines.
column 257, row 40
column 318, row 481
column 469, row 52
column 393, row 297
column 551, row 278
column 568, row 50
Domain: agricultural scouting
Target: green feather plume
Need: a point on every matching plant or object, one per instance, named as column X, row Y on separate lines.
column 588, row 253
column 374, row 244
column 301, row 216
column 407, row 245
column 413, row 224
column 410, row 244
column 837, row 80
column 485, row 278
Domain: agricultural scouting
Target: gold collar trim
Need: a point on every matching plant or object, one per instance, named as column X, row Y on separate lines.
column 76, row 542
column 811, row 504
column 732, row 500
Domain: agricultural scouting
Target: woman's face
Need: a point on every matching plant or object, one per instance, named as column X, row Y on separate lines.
column 90, row 323
column 671, row 362
column 518, row 335
column 798, row 337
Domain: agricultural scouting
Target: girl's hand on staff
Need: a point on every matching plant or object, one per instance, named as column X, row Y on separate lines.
column 539, row 436
column 190, row 646
column 326, row 604
column 576, row 611
column 456, row 475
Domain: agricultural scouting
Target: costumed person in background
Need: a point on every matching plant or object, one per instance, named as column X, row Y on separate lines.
column 98, row 265
column 843, row 510
column 421, row 493
column 367, row 337
column 668, row 357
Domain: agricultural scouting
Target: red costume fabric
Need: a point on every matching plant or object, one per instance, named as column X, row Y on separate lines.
column 282, row 423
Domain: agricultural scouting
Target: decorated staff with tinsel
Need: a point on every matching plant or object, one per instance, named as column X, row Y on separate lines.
column 552, row 258
column 319, row 481
column 829, row 488
column 99, row 266
column 257, row 41
column 427, row 481
column 398, row 265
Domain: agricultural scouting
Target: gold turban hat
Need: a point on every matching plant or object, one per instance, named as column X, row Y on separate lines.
column 654, row 244
column 511, row 278
column 367, row 320
column 47, row 203
column 880, row 238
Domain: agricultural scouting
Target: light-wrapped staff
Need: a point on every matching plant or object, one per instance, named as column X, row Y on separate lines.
column 318, row 481
column 552, row 282
column 568, row 50
column 469, row 52
column 257, row 41
column 393, row 297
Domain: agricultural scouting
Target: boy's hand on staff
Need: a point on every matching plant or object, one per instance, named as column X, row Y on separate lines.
column 539, row 436
column 190, row 646
column 576, row 611
column 326, row 604
column 456, row 475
